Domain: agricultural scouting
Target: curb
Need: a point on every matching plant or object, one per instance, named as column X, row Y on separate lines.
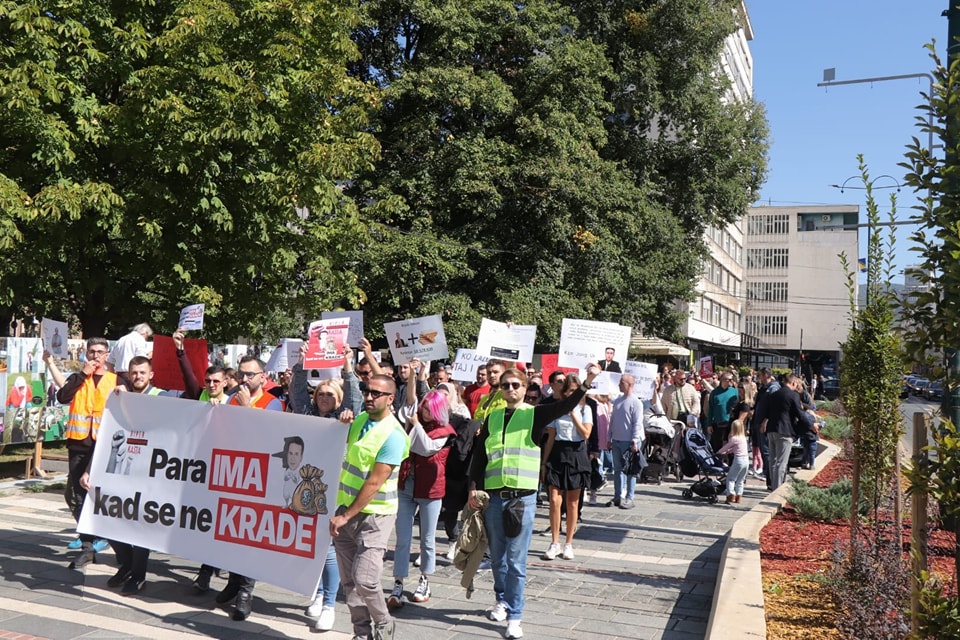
column 738, row 607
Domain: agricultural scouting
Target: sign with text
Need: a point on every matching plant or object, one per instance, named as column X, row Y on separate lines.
column 706, row 366
column 54, row 334
column 281, row 360
column 166, row 367
column 583, row 342
column 242, row 489
column 512, row 342
column 645, row 378
column 326, row 343
column 421, row 338
column 466, row 364
column 356, row 324
column 191, row 317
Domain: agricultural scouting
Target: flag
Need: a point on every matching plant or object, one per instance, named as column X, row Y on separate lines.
column 862, row 263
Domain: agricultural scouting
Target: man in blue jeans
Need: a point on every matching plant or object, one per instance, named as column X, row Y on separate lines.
column 626, row 434
column 506, row 464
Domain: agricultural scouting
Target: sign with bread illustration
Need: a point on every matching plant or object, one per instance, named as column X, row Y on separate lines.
column 421, row 338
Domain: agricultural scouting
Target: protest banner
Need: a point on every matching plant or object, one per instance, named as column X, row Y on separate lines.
column 645, row 378
column 513, row 342
column 465, row 365
column 356, row 324
column 191, row 318
column 281, row 359
column 421, row 338
column 244, row 490
column 54, row 335
column 706, row 366
column 583, row 342
column 166, row 368
column 326, row 343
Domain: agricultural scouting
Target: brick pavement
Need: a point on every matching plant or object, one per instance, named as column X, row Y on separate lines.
column 647, row 573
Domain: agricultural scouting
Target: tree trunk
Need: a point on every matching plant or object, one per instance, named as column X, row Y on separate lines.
column 855, row 490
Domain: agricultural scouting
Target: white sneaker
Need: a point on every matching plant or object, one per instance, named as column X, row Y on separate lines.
column 325, row 621
column 395, row 601
column 452, row 551
column 416, row 560
column 498, row 613
column 552, row 552
column 593, row 498
column 422, row 594
column 513, row 630
column 568, row 552
column 315, row 608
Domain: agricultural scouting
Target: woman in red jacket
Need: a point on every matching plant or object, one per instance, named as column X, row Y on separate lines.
column 422, row 483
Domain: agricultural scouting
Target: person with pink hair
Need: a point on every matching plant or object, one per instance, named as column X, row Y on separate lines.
column 422, row 484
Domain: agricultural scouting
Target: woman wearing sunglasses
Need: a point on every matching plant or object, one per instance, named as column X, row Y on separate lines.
column 329, row 400
column 506, row 465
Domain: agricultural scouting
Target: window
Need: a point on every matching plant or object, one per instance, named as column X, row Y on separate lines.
column 768, row 257
column 767, row 291
column 768, row 224
column 767, row 325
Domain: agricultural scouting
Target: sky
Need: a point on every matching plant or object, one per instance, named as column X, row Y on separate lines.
column 816, row 133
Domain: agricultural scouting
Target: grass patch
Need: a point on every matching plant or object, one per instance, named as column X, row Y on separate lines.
column 827, row 505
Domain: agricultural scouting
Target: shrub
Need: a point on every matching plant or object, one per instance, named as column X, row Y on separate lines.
column 830, row 504
column 939, row 613
column 836, row 428
column 871, row 583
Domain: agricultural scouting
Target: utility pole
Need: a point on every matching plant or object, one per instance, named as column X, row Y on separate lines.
column 950, row 405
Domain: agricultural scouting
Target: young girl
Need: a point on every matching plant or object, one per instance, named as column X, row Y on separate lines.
column 737, row 445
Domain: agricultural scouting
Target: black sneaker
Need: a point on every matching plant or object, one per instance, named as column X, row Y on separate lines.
column 243, row 605
column 119, row 578
column 87, row 556
column 228, row 593
column 202, row 583
column 132, row 586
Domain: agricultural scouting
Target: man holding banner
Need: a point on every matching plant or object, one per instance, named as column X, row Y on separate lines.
column 367, row 503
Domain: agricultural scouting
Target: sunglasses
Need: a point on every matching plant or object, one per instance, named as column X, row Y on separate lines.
column 374, row 393
column 532, row 398
column 510, row 385
column 364, row 374
column 247, row 374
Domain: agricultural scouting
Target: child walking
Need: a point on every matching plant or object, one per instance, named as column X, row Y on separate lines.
column 738, row 446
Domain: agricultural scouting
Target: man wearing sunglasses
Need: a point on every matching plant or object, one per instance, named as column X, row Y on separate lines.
column 506, row 465
column 86, row 392
column 367, row 503
column 249, row 394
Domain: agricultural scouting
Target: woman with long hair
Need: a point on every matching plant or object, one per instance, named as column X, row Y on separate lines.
column 567, row 467
column 422, row 484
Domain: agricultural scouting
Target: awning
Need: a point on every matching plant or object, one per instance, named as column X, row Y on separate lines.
column 650, row 346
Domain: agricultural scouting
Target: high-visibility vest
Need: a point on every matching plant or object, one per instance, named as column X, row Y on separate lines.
column 488, row 404
column 359, row 461
column 154, row 391
column 260, row 403
column 513, row 458
column 87, row 405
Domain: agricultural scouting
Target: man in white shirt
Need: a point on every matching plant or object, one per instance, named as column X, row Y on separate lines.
column 128, row 347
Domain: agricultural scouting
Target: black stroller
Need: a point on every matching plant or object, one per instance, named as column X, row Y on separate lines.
column 710, row 468
column 659, row 448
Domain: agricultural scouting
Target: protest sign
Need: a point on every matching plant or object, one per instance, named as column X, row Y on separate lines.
column 356, row 324
column 191, row 317
column 645, row 378
column 54, row 334
column 326, row 343
column 421, row 338
column 706, row 366
column 245, row 490
column 281, row 360
column 513, row 342
column 583, row 342
column 466, row 364
column 166, row 367
column 607, row 382
column 548, row 364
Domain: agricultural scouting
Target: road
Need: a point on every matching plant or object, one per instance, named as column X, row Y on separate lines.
column 910, row 406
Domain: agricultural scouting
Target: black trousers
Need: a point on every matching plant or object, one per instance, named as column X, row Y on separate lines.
column 78, row 459
column 134, row 559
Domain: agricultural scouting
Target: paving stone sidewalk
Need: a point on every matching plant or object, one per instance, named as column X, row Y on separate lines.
column 646, row 573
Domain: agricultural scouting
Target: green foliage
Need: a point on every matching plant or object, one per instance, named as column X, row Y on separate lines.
column 828, row 505
column 873, row 358
column 836, row 428
column 157, row 154
column 544, row 159
column 939, row 614
column 833, row 406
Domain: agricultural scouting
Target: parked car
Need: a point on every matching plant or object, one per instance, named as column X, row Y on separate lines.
column 904, row 390
column 933, row 391
column 919, row 385
column 831, row 388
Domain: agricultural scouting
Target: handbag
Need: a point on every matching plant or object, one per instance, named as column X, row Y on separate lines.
column 633, row 462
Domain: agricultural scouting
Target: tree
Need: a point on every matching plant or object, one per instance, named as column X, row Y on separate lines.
column 159, row 154
column 517, row 183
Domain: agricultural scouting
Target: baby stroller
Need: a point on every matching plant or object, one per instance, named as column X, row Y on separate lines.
column 659, row 449
column 710, row 468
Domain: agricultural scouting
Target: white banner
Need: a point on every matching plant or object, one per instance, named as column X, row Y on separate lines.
column 466, row 364
column 583, row 342
column 356, row 324
column 191, row 317
column 416, row 338
column 54, row 335
column 645, row 378
column 506, row 341
column 237, row 488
